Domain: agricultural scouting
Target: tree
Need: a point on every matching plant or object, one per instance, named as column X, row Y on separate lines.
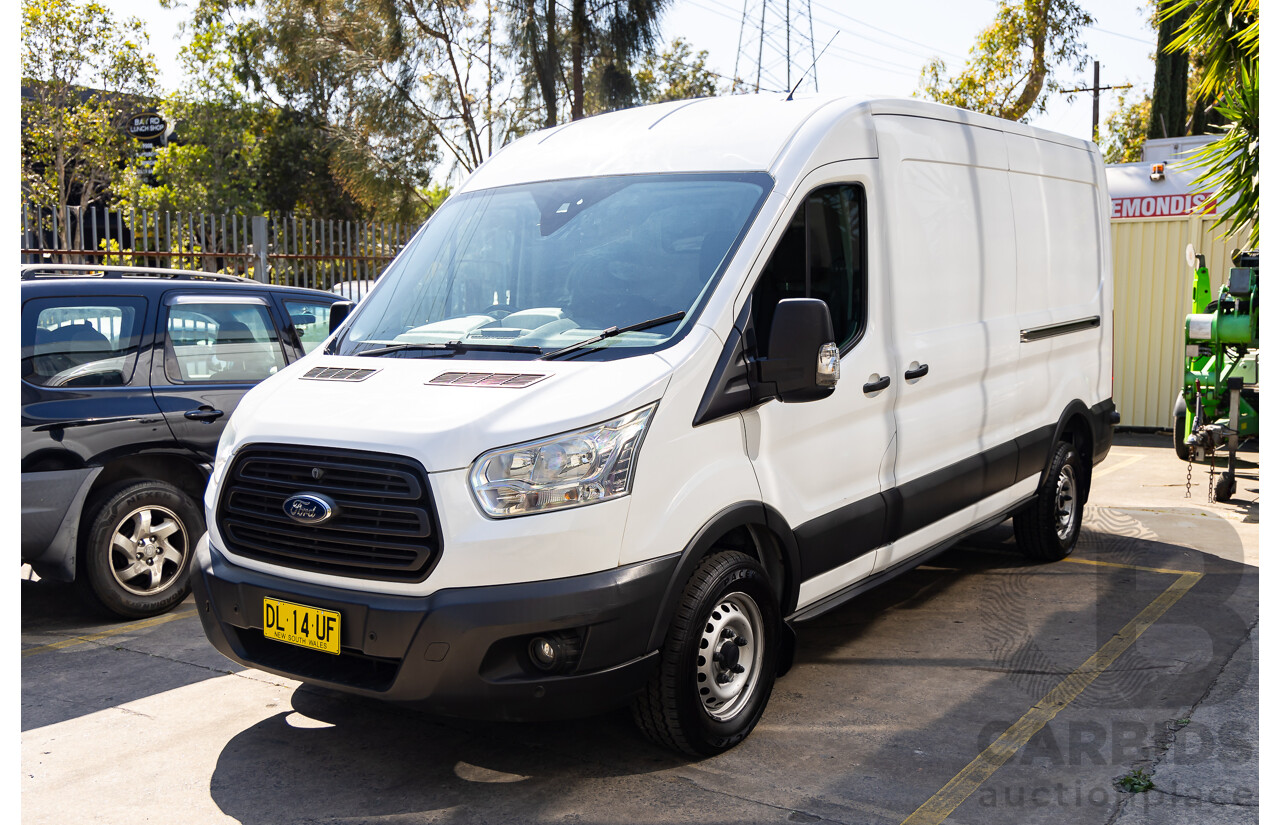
column 84, row 73
column 1169, row 95
column 676, row 74
column 397, row 86
column 1012, row 64
column 603, row 39
column 1224, row 33
column 1126, row 130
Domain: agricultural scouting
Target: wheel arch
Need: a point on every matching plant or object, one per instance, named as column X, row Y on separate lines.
column 750, row 527
column 1076, row 428
column 183, row 473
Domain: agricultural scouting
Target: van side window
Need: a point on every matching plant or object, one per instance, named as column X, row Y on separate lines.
column 820, row 256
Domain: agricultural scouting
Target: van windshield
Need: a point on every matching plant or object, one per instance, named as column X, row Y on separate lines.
column 526, row 270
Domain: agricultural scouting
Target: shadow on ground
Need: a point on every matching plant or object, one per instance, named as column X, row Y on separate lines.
column 890, row 697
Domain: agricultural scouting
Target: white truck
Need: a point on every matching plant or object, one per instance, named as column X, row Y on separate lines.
column 654, row 386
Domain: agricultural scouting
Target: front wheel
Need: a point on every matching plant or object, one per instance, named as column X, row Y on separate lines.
column 136, row 555
column 1048, row 527
column 718, row 662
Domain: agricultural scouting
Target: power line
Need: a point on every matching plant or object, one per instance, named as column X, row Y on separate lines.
column 929, row 48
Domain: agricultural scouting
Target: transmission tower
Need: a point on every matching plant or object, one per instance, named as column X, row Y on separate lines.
column 775, row 47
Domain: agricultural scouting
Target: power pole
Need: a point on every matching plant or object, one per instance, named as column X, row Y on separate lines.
column 1096, row 90
column 775, row 46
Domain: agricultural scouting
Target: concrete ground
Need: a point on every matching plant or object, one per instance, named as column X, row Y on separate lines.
column 978, row 689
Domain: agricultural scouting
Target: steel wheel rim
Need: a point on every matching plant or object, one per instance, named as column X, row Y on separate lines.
column 1065, row 502
column 730, row 656
column 148, row 550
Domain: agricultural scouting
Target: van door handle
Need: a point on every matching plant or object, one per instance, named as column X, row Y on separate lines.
column 875, row 386
column 206, row 414
column 919, row 372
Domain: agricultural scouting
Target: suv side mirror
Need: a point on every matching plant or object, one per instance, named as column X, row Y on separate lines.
column 803, row 362
column 338, row 312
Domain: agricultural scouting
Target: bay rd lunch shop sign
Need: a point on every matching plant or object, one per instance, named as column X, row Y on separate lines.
column 151, row 131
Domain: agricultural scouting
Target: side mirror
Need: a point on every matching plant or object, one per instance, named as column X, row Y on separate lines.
column 803, row 362
column 338, row 312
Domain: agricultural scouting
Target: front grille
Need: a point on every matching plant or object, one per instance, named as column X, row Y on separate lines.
column 382, row 527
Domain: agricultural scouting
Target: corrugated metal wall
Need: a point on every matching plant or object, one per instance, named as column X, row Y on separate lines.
column 1152, row 297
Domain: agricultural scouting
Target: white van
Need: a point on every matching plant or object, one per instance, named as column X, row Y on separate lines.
column 651, row 387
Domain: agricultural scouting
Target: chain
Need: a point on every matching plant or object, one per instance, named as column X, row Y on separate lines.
column 1212, row 468
column 1189, row 467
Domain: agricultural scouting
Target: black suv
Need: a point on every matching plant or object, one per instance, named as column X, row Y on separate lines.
column 128, row 376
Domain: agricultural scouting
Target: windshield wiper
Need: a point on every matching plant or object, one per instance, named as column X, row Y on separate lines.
column 612, row 331
column 452, row 346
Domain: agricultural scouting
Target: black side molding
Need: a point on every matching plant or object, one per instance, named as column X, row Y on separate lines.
column 1064, row 328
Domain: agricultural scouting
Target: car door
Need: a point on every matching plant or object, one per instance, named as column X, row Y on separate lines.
column 823, row 464
column 85, row 399
column 216, row 347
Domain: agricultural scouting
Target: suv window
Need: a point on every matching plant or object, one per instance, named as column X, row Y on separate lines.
column 311, row 320
column 207, row 340
column 819, row 256
column 81, row 342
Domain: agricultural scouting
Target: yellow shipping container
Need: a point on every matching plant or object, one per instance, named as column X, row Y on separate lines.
column 1152, row 298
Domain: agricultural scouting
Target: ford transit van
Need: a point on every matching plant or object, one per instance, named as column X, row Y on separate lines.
column 652, row 387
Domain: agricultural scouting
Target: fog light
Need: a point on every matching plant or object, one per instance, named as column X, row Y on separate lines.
column 556, row 652
column 544, row 652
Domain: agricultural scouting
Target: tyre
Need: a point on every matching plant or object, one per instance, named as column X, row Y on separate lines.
column 135, row 557
column 1180, row 447
column 1224, row 488
column 718, row 662
column 1047, row 528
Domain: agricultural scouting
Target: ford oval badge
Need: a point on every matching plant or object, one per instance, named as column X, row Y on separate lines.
column 309, row 508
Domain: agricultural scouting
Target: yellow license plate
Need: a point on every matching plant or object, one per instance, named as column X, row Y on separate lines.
column 304, row 626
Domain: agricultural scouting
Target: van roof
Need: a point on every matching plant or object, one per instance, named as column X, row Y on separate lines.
column 736, row 133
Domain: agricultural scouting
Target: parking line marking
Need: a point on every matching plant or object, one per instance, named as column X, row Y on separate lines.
column 939, row 806
column 1120, row 465
column 106, row 634
column 1129, row 566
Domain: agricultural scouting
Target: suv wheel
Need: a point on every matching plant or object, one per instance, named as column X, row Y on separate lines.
column 136, row 555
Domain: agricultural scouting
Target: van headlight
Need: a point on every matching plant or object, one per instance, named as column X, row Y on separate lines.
column 569, row 470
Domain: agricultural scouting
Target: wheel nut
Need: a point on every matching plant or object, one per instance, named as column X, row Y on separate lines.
column 740, row 642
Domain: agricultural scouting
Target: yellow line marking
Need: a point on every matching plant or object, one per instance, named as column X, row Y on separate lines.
column 106, row 634
column 940, row 805
column 1120, row 465
column 1131, row 567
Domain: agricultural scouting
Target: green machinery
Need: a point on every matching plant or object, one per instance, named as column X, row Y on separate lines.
column 1218, row 404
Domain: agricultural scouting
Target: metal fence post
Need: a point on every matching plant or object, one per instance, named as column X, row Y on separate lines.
column 260, row 248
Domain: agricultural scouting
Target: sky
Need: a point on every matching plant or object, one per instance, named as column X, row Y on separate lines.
column 878, row 47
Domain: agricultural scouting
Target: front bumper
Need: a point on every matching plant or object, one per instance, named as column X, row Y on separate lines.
column 459, row 651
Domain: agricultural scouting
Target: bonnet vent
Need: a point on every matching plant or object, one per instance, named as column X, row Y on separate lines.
column 510, row 380
column 337, row 374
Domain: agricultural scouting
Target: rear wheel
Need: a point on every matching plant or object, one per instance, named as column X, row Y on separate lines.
column 135, row 557
column 718, row 662
column 1047, row 528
